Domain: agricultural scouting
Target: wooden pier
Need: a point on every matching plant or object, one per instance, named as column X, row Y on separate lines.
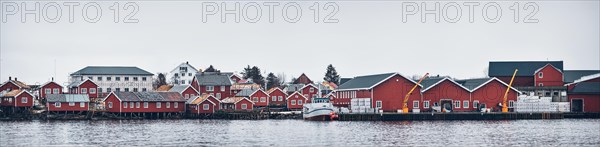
column 448, row 116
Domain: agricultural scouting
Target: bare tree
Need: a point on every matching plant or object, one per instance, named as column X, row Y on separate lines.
column 282, row 77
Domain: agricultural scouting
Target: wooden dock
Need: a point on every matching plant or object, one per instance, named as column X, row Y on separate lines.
column 448, row 116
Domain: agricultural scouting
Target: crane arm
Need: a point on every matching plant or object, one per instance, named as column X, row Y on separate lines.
column 504, row 105
column 405, row 105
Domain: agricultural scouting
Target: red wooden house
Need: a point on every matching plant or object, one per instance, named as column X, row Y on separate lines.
column 310, row 91
column 235, row 78
column 203, row 104
column 295, row 101
column 67, row 102
column 213, row 83
column 443, row 92
column 488, row 93
column 13, row 85
column 260, row 98
column 503, row 70
column 584, row 94
column 277, row 97
column 144, row 102
column 386, row 91
column 187, row 91
column 17, row 101
column 237, row 104
column 303, row 79
column 548, row 75
column 50, row 88
column 86, row 86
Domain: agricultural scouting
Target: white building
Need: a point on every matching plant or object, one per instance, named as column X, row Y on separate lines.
column 115, row 78
column 182, row 74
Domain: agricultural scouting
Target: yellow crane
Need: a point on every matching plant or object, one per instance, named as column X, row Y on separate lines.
column 504, row 105
column 405, row 102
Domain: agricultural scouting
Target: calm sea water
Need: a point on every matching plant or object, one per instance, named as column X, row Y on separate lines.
column 564, row 132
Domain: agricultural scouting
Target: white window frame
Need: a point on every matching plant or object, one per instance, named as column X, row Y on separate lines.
column 475, row 104
column 48, row 90
column 81, row 104
column 426, row 104
column 273, row 98
column 83, row 90
column 255, row 99
column 137, row 104
column 71, row 103
column 145, row 104
column 131, row 105
column 125, row 105
column 175, row 104
column 168, row 104
column 205, row 106
column 23, row 99
column 56, row 91
column 280, row 98
column 541, row 75
column 218, row 95
column 457, row 104
column 187, row 95
column 293, row 102
column 92, row 90
column 158, row 104
column 110, row 105
column 415, row 104
column 466, row 104
column 540, row 84
column 210, row 88
column 299, row 102
column 311, row 90
column 263, row 99
column 511, row 104
column 57, row 104
column 378, row 104
column 244, row 106
column 222, row 88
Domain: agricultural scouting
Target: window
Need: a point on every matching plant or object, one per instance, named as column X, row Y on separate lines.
column 475, row 104
column 126, row 89
column 108, row 90
column 99, row 90
column 48, row 90
column 83, row 90
column 176, row 75
column 456, row 104
column 56, row 104
column 168, row 104
column 465, row 104
column 144, row 89
column 511, row 104
column 126, row 78
column 263, row 99
column 299, row 102
column 137, row 104
column 117, row 78
column 312, row 90
column 23, row 99
column 175, row 104
column 81, row 104
column 222, row 88
column 273, row 98
column 541, row 75
column 280, row 98
column 93, row 90
column 71, row 103
column 158, row 104
column 135, row 89
column 187, row 95
column 205, row 106
column 378, row 104
column 192, row 95
column 415, row 104
column 182, row 81
column 435, row 104
column 124, row 104
column 108, row 78
column 541, row 84
column 255, row 99
column 189, row 74
column 90, row 77
column 293, row 102
column 99, row 78
column 210, row 88
column 55, row 91
column 143, row 78
column 145, row 104
column 135, row 78
column 131, row 104
column 218, row 95
column 109, row 104
column 244, row 106
column 426, row 104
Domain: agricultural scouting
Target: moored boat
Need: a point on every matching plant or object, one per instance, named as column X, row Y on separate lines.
column 319, row 109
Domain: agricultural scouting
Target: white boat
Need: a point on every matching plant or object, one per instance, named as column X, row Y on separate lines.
column 319, row 109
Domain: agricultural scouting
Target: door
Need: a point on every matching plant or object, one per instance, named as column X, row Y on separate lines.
column 577, row 105
column 446, row 104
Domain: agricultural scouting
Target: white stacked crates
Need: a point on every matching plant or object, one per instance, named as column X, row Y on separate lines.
column 361, row 105
column 540, row 104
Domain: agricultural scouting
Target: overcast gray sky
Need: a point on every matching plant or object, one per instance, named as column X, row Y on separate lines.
column 369, row 38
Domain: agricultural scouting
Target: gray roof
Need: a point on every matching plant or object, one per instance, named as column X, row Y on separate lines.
column 111, row 70
column 428, row 82
column 68, row 98
column 526, row 68
column 344, row 80
column 178, row 88
column 472, row 83
column 245, row 92
column 293, row 87
column 150, row 96
column 572, row 75
column 364, row 81
column 213, row 79
column 586, row 88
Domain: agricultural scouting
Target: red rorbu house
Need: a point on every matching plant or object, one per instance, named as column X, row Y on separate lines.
column 548, row 75
column 86, row 86
column 13, row 85
column 237, row 104
column 584, row 94
column 385, row 92
column 295, row 101
column 149, row 104
column 277, row 97
column 303, row 79
column 203, row 104
column 310, row 91
column 259, row 98
column 187, row 91
column 16, row 101
column 441, row 93
column 235, row 78
column 332, row 98
column 540, row 78
column 67, row 102
column 50, row 88
column 488, row 93
column 213, row 83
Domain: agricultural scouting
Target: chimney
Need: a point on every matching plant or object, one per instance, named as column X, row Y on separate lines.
column 9, row 78
column 16, row 79
column 187, row 62
column 81, row 78
column 52, row 79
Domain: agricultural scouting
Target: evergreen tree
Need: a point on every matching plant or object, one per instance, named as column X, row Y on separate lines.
column 331, row 75
column 272, row 81
column 256, row 76
column 159, row 81
column 246, row 73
